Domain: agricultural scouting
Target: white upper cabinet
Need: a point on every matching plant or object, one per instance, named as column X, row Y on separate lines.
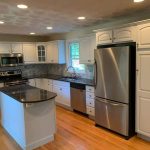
column 41, row 52
column 144, row 35
column 104, row 37
column 56, row 52
column 122, row 34
column 125, row 34
column 5, row 48
column 29, row 53
column 87, row 46
column 16, row 48
column 143, row 94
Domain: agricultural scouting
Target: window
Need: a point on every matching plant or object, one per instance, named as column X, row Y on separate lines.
column 41, row 53
column 74, row 57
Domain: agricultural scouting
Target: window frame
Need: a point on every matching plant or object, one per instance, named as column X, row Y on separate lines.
column 68, row 42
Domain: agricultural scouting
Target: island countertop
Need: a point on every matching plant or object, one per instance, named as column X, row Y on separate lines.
column 28, row 94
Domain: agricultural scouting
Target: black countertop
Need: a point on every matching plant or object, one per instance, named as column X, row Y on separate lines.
column 61, row 78
column 28, row 94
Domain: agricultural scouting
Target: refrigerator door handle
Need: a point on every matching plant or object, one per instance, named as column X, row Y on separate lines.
column 95, row 73
column 107, row 102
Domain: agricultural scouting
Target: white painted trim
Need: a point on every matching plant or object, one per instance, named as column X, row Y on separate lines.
column 39, row 143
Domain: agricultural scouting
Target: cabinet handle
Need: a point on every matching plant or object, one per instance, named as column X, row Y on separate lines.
column 60, row 89
column 89, row 60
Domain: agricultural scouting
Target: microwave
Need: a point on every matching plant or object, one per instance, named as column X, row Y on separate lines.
column 11, row 59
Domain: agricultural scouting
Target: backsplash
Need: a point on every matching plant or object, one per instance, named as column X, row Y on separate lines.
column 29, row 69
column 41, row 69
column 56, row 69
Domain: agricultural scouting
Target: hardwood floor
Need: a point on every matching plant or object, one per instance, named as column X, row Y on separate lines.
column 75, row 132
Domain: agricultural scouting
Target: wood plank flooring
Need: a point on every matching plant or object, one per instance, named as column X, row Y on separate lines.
column 76, row 132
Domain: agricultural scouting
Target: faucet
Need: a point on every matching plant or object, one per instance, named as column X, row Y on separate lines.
column 74, row 74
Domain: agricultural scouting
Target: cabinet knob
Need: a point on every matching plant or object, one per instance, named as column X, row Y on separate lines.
column 60, row 89
column 89, row 60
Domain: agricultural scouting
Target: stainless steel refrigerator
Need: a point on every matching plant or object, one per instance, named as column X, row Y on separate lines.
column 115, row 87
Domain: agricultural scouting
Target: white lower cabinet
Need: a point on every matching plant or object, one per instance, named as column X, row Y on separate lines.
column 31, row 82
column 42, row 83
column 63, row 92
column 143, row 94
column 90, row 104
column 1, row 85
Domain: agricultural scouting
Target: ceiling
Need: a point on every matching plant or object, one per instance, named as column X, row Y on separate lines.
column 61, row 14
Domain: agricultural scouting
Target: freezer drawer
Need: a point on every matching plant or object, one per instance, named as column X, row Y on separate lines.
column 112, row 115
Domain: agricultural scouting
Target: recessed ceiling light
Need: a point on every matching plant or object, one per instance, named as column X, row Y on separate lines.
column 1, row 22
column 81, row 18
column 138, row 1
column 32, row 33
column 49, row 28
column 22, row 6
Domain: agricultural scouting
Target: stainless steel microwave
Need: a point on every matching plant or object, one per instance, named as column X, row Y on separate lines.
column 11, row 59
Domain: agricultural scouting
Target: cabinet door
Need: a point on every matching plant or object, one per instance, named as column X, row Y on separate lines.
column 52, row 52
column 87, row 46
column 17, row 48
column 143, row 94
column 1, row 85
column 46, row 84
column 92, row 47
column 65, row 95
column 57, row 90
column 104, row 37
column 41, row 52
column 143, row 35
column 124, row 34
column 85, row 50
column 29, row 52
column 38, row 83
column 5, row 48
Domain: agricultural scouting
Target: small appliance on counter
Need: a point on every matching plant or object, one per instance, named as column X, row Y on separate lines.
column 115, row 87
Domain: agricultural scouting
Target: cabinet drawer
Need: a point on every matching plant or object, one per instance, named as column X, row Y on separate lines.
column 90, row 89
column 61, row 83
column 90, row 102
column 90, row 111
column 90, row 95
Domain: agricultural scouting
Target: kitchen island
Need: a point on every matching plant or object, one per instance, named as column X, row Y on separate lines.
column 28, row 115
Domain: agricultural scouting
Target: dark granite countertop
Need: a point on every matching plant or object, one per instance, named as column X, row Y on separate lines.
column 28, row 94
column 61, row 78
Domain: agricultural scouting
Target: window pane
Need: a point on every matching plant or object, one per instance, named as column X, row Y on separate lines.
column 74, row 57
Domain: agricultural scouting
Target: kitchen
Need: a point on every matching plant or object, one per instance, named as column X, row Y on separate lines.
column 59, row 57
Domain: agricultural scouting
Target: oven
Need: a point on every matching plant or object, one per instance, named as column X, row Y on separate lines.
column 12, row 77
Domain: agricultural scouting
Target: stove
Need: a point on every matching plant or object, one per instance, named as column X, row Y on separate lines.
column 12, row 77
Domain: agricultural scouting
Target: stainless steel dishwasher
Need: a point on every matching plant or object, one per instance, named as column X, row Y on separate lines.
column 78, row 100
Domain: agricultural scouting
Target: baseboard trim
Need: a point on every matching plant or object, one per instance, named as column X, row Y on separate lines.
column 39, row 143
column 64, row 106
column 144, row 137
